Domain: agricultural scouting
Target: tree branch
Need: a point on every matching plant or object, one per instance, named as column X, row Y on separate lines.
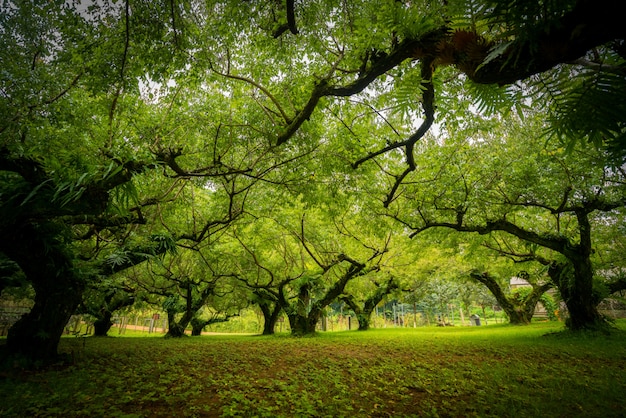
column 258, row 86
column 588, row 25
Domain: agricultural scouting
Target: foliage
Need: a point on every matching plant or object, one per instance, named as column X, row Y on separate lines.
column 129, row 130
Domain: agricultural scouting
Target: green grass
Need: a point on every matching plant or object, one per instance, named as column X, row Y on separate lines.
column 499, row 371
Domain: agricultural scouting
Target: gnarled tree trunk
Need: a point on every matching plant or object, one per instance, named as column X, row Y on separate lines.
column 197, row 325
column 520, row 313
column 113, row 301
column 270, row 316
column 175, row 328
column 58, row 292
column 193, row 304
column 302, row 320
column 103, row 324
column 364, row 315
column 36, row 335
column 575, row 284
column 303, row 317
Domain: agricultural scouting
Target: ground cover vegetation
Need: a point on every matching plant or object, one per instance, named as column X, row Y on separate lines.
column 200, row 158
column 498, row 370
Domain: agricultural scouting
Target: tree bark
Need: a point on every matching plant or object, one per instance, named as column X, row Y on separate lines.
column 192, row 305
column 176, row 329
column 575, row 284
column 197, row 325
column 103, row 324
column 270, row 316
column 364, row 315
column 300, row 325
column 575, row 278
column 520, row 312
column 588, row 25
column 58, row 292
column 36, row 335
column 113, row 301
column 302, row 320
column 529, row 304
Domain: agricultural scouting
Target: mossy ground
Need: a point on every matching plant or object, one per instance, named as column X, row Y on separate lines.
column 499, row 371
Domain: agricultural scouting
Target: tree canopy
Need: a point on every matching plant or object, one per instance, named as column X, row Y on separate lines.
column 303, row 139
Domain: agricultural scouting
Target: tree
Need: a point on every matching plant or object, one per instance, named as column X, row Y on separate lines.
column 294, row 291
column 364, row 313
column 63, row 155
column 197, row 324
column 566, row 53
column 301, row 259
column 102, row 104
column 547, row 199
column 97, row 129
column 103, row 303
column 519, row 310
column 270, row 309
column 492, row 262
column 185, row 284
column 398, row 271
column 540, row 45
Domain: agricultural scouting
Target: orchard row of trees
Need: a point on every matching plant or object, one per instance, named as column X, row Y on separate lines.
column 196, row 153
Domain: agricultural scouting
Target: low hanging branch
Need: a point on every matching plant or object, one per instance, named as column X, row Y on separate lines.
column 324, row 88
column 409, row 145
column 586, row 26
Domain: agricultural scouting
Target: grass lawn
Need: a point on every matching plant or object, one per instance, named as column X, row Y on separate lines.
column 497, row 370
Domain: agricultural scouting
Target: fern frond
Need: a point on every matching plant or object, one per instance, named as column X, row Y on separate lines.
column 590, row 107
column 491, row 98
column 466, row 14
column 118, row 258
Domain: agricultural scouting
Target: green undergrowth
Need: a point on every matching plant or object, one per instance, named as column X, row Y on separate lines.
column 488, row 371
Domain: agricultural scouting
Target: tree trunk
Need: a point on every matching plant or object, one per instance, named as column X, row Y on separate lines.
column 364, row 315
column 176, row 329
column 112, row 302
column 516, row 315
column 300, row 317
column 35, row 337
column 302, row 324
column 364, row 319
column 575, row 284
column 103, row 324
column 303, row 318
column 270, row 317
column 582, row 304
column 58, row 292
column 197, row 325
column 192, row 306
column 530, row 302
